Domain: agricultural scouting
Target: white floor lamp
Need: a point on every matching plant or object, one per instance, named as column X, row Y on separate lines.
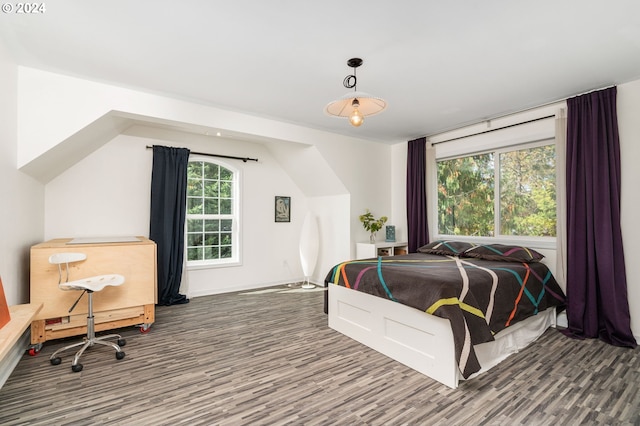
column 309, row 244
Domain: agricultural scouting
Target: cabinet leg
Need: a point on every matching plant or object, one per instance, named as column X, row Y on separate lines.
column 37, row 332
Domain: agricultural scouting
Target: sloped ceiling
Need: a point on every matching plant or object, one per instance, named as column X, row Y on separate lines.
column 438, row 64
column 76, row 147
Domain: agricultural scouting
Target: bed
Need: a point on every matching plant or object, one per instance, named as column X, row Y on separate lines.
column 451, row 311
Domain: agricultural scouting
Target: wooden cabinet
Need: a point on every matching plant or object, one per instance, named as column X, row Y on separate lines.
column 384, row 248
column 21, row 317
column 132, row 303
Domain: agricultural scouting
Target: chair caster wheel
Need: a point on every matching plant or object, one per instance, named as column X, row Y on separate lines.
column 35, row 349
column 122, row 342
column 55, row 361
column 76, row 368
column 119, row 355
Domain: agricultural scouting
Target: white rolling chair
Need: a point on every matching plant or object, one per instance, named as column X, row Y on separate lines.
column 89, row 286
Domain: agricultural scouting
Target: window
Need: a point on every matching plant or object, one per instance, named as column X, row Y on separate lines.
column 212, row 213
column 506, row 192
column 466, row 196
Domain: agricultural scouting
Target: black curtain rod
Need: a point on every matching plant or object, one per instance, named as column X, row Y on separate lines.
column 493, row 130
column 244, row 159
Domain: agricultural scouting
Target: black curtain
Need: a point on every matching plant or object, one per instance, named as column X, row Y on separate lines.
column 168, row 208
column 416, row 194
column 597, row 304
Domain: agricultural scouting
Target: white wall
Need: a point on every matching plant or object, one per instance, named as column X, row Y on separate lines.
column 399, row 190
column 107, row 193
column 365, row 170
column 629, row 130
column 21, row 215
column 105, row 190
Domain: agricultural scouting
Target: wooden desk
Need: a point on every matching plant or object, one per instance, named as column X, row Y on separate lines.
column 132, row 303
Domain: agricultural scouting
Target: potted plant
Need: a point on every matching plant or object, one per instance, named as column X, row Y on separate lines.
column 372, row 224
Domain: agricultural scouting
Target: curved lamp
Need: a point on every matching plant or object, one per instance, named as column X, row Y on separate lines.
column 355, row 105
column 309, row 246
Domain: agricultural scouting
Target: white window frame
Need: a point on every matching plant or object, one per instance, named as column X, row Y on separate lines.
column 234, row 260
column 529, row 135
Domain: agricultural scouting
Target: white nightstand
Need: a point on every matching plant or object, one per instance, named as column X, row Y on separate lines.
column 383, row 248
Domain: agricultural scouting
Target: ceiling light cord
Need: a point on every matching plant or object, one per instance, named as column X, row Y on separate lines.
column 351, row 81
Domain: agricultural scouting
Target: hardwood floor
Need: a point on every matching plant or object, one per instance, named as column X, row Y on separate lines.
column 268, row 357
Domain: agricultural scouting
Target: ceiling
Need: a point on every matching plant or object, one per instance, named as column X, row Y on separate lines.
column 438, row 64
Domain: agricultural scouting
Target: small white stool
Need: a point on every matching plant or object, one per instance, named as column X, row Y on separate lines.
column 89, row 286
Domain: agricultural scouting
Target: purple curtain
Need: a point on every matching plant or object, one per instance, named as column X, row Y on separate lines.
column 416, row 195
column 597, row 305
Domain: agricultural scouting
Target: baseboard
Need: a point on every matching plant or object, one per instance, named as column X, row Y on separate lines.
column 210, row 292
column 9, row 362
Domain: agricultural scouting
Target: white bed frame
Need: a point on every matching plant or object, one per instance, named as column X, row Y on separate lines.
column 419, row 340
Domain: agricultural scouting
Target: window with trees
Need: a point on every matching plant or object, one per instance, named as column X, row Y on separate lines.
column 506, row 192
column 212, row 213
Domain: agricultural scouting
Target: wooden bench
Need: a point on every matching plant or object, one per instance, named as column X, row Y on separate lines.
column 21, row 317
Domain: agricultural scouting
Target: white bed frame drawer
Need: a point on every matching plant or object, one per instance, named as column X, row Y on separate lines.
column 420, row 341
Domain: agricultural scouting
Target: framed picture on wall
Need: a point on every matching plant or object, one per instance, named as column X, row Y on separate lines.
column 283, row 209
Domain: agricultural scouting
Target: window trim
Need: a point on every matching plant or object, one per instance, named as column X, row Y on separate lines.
column 235, row 259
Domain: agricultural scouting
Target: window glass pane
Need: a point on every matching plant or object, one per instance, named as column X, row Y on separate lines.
column 211, row 171
column 194, row 253
column 194, row 225
column 194, row 188
column 194, row 205
column 225, row 252
column 226, row 189
column 212, row 253
column 211, row 206
column 528, row 192
column 211, row 188
column 225, row 238
column 225, row 225
column 210, row 239
column 211, row 225
column 225, row 174
column 225, row 207
column 194, row 170
column 194, row 239
column 466, row 196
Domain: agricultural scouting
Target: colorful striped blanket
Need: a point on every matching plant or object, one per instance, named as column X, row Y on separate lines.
column 479, row 297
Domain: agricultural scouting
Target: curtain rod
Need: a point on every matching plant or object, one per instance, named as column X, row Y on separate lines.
column 493, row 130
column 244, row 159
column 513, row 113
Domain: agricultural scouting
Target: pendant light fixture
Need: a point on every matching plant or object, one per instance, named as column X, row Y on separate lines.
column 355, row 105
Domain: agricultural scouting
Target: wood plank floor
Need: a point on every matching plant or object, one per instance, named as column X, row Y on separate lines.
column 268, row 358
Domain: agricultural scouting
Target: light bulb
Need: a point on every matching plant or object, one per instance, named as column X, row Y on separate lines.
column 356, row 118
